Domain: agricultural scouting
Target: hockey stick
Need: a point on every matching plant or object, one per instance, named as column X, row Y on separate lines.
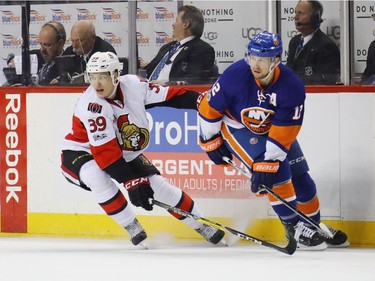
column 289, row 249
column 322, row 228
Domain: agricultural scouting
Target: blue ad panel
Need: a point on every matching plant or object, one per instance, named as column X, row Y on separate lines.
column 173, row 130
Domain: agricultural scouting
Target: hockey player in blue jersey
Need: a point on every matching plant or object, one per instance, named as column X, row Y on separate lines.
column 255, row 111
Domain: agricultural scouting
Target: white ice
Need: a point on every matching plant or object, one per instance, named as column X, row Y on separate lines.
column 55, row 259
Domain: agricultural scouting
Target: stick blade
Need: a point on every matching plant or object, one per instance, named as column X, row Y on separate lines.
column 288, row 249
column 291, row 247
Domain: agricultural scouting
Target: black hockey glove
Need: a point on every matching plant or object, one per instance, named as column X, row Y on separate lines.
column 140, row 192
column 215, row 149
column 263, row 174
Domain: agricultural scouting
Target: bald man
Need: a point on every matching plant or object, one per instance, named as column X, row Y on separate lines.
column 312, row 55
column 85, row 43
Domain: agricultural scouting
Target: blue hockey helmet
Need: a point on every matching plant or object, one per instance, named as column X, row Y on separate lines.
column 265, row 44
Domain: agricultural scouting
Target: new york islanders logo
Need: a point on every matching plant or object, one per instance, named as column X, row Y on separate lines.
column 133, row 137
column 257, row 119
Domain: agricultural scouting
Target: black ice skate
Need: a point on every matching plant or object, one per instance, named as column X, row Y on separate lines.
column 307, row 238
column 136, row 232
column 339, row 239
column 211, row 234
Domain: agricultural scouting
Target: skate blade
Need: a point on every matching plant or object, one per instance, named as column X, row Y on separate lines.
column 320, row 247
column 343, row 245
column 142, row 246
column 223, row 243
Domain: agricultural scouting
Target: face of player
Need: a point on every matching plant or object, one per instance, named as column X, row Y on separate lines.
column 103, row 84
column 260, row 66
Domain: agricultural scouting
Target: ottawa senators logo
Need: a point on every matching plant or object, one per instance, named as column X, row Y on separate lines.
column 133, row 137
column 257, row 119
column 94, row 107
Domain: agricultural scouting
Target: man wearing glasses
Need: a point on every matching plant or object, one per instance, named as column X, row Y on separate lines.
column 52, row 37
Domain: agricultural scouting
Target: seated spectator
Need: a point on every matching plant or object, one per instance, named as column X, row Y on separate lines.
column 368, row 76
column 313, row 56
column 85, row 42
column 188, row 60
column 52, row 37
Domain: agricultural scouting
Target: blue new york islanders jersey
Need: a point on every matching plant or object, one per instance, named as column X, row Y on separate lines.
column 238, row 100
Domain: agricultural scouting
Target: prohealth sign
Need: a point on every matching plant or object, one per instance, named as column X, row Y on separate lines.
column 174, row 150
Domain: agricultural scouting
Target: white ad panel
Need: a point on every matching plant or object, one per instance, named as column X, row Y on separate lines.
column 357, row 156
column 40, row 14
column 110, row 20
column 230, row 25
column 154, row 27
column 364, row 32
column 49, row 117
column 319, row 140
column 338, row 139
column 10, row 27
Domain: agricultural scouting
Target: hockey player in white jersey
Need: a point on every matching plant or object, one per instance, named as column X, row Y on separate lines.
column 110, row 131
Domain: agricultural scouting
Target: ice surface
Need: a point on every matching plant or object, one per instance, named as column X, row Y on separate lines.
column 55, row 259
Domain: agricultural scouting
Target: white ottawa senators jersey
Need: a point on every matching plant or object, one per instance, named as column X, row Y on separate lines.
column 239, row 101
column 110, row 129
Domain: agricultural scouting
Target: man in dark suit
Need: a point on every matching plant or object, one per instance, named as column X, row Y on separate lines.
column 313, row 56
column 84, row 44
column 368, row 75
column 188, row 60
column 52, row 37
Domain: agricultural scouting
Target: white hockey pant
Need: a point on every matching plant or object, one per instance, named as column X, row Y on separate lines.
column 104, row 189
